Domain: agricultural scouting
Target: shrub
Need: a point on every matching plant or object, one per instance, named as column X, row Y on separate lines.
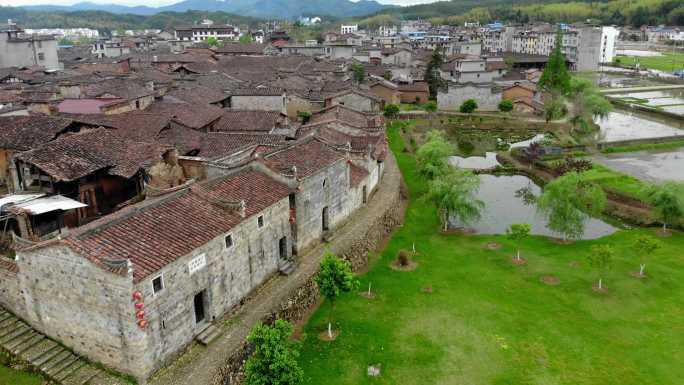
column 506, row 105
column 469, row 106
column 391, row 110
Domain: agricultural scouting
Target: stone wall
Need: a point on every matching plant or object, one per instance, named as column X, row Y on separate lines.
column 486, row 96
column 260, row 103
column 230, row 274
column 353, row 246
column 10, row 291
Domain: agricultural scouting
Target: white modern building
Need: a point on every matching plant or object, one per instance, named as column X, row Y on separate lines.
column 609, row 36
column 345, row 29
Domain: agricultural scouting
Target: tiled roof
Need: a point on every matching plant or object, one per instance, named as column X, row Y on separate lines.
column 348, row 116
column 249, row 121
column 120, row 88
column 216, row 145
column 195, row 116
column 242, row 49
column 309, row 156
column 135, row 125
column 73, row 156
column 27, row 132
column 414, row 87
column 153, row 236
column 199, row 95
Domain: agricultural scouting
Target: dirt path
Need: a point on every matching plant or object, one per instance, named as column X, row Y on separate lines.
column 200, row 365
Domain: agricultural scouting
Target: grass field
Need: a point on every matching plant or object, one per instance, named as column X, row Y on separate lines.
column 617, row 182
column 12, row 377
column 668, row 62
column 492, row 323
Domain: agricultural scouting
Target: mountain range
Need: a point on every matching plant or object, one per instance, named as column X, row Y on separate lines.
column 255, row 8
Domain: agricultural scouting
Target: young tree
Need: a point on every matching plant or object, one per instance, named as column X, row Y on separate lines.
column 391, row 110
column 431, row 108
column 645, row 246
column 432, row 157
column 555, row 77
column 506, row 105
column 518, row 232
column 359, row 72
column 334, row 278
column 274, row 360
column 600, row 258
column 567, row 202
column 432, row 75
column 667, row 200
column 214, row 42
column 245, row 38
column 469, row 106
column 455, row 196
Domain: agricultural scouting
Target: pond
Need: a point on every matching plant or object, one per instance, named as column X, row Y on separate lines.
column 654, row 166
column 622, row 125
column 489, row 158
column 504, row 207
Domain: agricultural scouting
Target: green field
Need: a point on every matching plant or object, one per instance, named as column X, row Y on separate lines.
column 668, row 62
column 13, row 377
column 489, row 322
column 617, row 182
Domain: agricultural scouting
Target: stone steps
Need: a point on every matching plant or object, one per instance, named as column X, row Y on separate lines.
column 208, row 335
column 56, row 362
column 287, row 268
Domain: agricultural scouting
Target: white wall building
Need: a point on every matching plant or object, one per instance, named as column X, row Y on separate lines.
column 609, row 36
column 345, row 29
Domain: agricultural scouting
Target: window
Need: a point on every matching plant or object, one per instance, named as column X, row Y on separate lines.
column 229, row 241
column 41, row 56
column 260, row 221
column 158, row 284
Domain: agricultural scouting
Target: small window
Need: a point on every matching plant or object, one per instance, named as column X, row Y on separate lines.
column 158, row 284
column 229, row 241
column 41, row 56
column 260, row 221
column 324, row 182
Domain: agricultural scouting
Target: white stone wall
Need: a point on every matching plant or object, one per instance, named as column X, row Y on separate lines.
column 487, row 97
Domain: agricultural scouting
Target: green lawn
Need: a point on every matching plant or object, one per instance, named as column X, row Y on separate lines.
column 662, row 63
column 490, row 322
column 12, row 377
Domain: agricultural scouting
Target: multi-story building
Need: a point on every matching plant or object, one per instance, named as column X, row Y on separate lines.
column 609, row 36
column 387, row 30
column 19, row 49
column 497, row 40
column 110, row 48
column 345, row 29
column 207, row 29
column 69, row 33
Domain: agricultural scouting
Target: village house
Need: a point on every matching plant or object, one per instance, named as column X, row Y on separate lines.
column 18, row 49
column 357, row 100
column 386, row 90
column 259, row 98
column 415, row 92
column 111, row 96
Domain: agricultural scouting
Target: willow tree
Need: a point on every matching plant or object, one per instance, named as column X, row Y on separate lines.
column 667, row 200
column 433, row 157
column 455, row 196
column 568, row 202
column 587, row 103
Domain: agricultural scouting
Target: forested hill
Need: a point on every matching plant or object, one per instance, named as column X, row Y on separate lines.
column 105, row 21
column 619, row 12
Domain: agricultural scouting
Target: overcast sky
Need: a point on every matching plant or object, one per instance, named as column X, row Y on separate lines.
column 156, row 3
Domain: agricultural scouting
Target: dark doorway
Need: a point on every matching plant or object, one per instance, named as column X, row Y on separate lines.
column 365, row 195
column 282, row 247
column 293, row 202
column 199, row 306
column 326, row 225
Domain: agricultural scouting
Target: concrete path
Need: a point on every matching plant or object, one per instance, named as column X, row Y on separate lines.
column 199, row 365
column 641, row 89
column 47, row 356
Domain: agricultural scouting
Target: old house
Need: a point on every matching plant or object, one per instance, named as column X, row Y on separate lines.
column 236, row 49
column 111, row 96
column 265, row 122
column 24, row 133
column 386, row 90
column 399, row 57
column 99, row 168
column 415, row 92
column 200, row 117
column 188, row 257
column 487, row 96
column 18, row 49
column 258, row 98
column 357, row 100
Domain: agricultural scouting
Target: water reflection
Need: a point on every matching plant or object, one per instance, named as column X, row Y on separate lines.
column 654, row 166
column 505, row 205
column 622, row 125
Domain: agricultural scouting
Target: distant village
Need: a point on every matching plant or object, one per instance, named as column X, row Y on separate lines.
column 153, row 179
